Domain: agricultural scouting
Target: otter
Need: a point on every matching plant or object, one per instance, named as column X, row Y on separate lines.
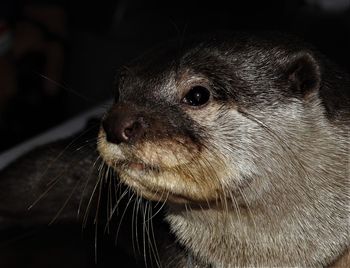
column 245, row 137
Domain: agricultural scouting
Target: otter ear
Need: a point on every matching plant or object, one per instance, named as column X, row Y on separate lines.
column 303, row 71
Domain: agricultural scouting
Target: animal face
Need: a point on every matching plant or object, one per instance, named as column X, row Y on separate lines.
column 200, row 123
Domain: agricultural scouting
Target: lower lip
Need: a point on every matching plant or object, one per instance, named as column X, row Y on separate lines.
column 136, row 166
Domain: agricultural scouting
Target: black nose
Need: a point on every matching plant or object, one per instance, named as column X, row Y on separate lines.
column 123, row 127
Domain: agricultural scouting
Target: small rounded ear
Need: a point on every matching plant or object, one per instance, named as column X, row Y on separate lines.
column 304, row 72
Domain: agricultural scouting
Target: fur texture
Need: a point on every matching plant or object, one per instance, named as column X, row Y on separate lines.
column 259, row 175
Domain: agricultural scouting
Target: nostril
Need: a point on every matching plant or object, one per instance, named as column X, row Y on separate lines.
column 129, row 131
column 133, row 130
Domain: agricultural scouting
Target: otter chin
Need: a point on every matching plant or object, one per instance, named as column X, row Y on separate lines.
column 245, row 137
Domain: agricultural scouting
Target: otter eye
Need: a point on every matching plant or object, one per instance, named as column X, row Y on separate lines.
column 197, row 96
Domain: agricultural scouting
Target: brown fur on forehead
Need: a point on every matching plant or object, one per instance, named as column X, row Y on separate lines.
column 246, row 69
column 234, row 70
column 244, row 76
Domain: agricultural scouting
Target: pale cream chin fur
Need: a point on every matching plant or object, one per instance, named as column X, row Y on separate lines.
column 284, row 191
column 179, row 176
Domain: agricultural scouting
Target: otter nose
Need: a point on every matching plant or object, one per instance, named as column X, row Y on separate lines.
column 122, row 128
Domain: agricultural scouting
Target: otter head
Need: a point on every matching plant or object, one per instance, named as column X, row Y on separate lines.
column 205, row 121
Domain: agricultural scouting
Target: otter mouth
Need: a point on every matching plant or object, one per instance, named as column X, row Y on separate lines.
column 162, row 173
column 133, row 174
column 137, row 166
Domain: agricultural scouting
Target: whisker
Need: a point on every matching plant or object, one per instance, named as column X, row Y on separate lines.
column 134, row 225
column 49, row 188
column 90, row 200
column 123, row 214
column 115, row 207
column 64, row 150
column 160, row 209
column 66, row 87
column 86, row 184
column 65, row 203
column 283, row 144
column 248, row 207
column 108, row 202
column 156, row 253
column 87, row 143
column 98, row 210
column 152, row 247
column 144, row 238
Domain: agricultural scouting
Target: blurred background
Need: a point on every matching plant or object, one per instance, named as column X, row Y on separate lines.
column 59, row 57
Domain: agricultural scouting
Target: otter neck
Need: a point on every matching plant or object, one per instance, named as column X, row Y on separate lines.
column 284, row 227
